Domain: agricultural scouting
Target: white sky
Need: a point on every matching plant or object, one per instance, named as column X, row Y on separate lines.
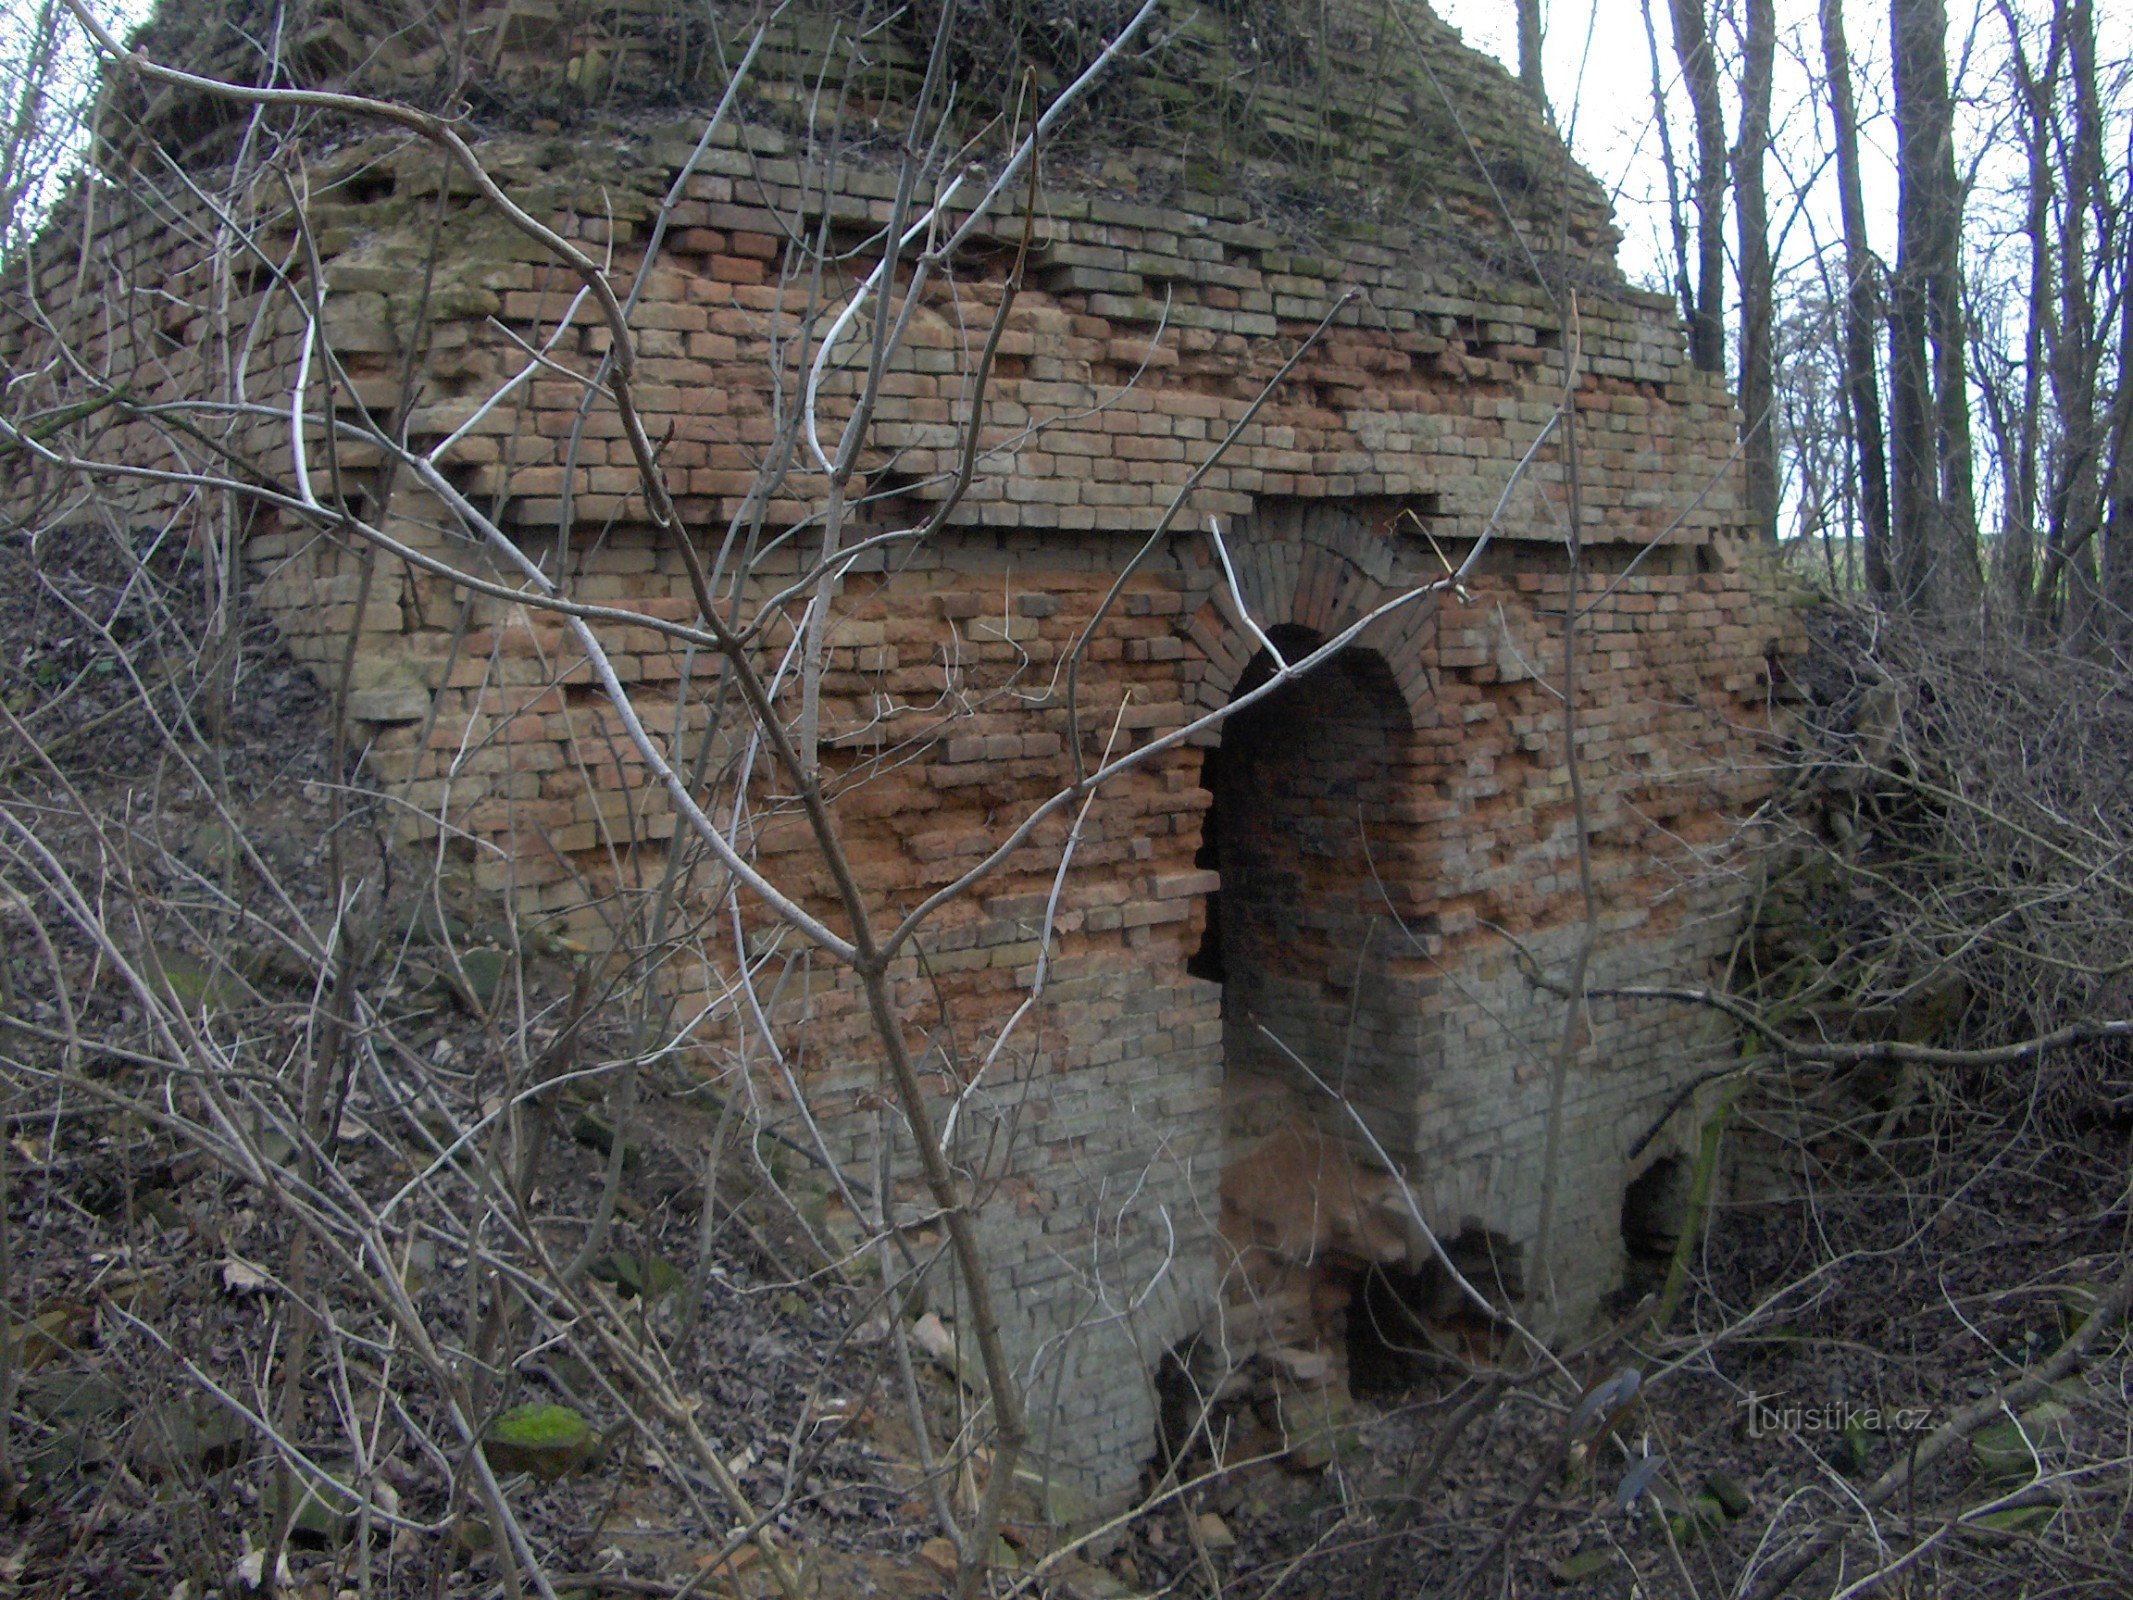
column 1598, row 70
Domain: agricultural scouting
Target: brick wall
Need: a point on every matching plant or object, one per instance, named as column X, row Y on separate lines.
column 1392, row 830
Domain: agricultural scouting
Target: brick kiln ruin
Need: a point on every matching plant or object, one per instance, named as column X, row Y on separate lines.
column 1351, row 866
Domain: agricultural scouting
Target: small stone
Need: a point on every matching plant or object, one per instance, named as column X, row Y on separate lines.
column 1313, row 1453
column 1214, row 1532
column 1305, row 1368
column 328, row 1512
column 1086, row 1582
column 388, row 705
column 185, row 1439
column 1727, row 1491
column 481, row 975
column 931, row 1335
column 249, row 1574
column 543, row 1439
column 2011, row 1450
column 241, row 1278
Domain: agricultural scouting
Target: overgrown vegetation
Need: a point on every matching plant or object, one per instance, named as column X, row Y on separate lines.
column 358, row 1233
column 292, row 1124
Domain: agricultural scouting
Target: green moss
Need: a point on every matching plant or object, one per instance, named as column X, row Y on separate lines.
column 541, row 1424
column 1331, row 112
column 542, row 1438
column 2010, row 1451
column 646, row 1277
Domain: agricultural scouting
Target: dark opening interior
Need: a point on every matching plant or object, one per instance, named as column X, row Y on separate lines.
column 1185, row 1401
column 1406, row 1322
column 1653, row 1208
column 1206, row 962
column 1242, row 736
column 1298, row 782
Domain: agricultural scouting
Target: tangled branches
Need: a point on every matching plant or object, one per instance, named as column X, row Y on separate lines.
column 1953, row 867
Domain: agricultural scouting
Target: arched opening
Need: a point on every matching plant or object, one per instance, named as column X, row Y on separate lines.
column 1302, row 788
column 1304, row 792
column 1654, row 1207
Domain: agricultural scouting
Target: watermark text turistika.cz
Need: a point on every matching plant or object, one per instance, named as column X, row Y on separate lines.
column 1774, row 1414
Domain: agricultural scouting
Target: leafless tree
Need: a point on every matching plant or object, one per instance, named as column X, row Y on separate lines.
column 1758, row 288
column 37, row 91
column 2074, row 233
column 1530, row 74
column 1862, row 306
column 1696, row 51
column 1933, row 520
column 2002, row 297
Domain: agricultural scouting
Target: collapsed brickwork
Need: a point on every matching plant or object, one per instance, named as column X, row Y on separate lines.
column 1347, row 876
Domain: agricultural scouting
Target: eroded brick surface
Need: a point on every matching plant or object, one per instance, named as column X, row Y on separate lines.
column 1395, row 833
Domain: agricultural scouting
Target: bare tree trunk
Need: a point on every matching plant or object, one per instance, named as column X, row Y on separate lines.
column 2019, row 426
column 1529, row 52
column 1751, row 221
column 2118, row 468
column 1678, row 226
column 1914, row 505
column 28, row 145
column 1948, row 322
column 1862, row 307
column 2078, row 342
column 1699, row 71
column 1935, row 529
column 2081, row 252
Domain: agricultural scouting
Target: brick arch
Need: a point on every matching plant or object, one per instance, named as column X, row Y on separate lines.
column 1317, row 568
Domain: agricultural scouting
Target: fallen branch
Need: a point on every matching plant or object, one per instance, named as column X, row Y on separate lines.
column 1830, row 1532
